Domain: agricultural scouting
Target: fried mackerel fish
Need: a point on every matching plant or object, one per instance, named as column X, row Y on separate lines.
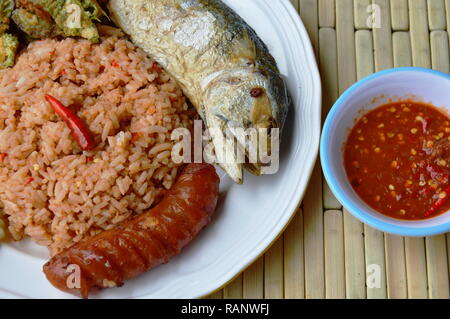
column 8, row 42
column 220, row 62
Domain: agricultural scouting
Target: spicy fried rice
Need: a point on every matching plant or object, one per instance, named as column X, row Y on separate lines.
column 51, row 190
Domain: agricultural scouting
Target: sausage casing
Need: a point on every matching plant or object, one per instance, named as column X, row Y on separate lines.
column 137, row 245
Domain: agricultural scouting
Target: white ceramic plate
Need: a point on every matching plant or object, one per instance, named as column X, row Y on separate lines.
column 249, row 217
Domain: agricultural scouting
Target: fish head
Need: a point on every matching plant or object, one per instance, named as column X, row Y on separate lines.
column 243, row 99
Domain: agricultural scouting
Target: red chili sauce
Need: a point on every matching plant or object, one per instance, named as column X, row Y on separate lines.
column 397, row 159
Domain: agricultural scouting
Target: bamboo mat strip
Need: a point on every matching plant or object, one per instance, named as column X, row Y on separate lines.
column 334, row 255
column 345, row 44
column 364, row 53
column 328, row 70
column 399, row 14
column 416, row 268
column 447, row 10
column 402, row 49
column 273, row 271
column 253, row 280
column 234, row 290
column 375, row 261
column 395, row 267
column 382, row 38
column 420, row 39
column 327, row 18
column 313, row 238
column 438, row 278
column 439, row 51
column 436, row 15
column 309, row 12
column 360, row 8
column 294, row 262
column 355, row 272
column 328, row 254
column 216, row 295
column 312, row 203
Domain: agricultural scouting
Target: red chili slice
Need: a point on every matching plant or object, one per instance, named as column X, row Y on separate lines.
column 426, row 124
column 156, row 67
column 439, row 203
column 79, row 129
column 135, row 136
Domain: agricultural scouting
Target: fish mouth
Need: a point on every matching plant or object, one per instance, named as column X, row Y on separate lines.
column 237, row 149
column 227, row 155
column 264, row 145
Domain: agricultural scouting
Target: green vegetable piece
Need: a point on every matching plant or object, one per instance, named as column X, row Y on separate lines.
column 8, row 48
column 6, row 8
column 93, row 9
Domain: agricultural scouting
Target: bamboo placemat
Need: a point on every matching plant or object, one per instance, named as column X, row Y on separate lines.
column 325, row 252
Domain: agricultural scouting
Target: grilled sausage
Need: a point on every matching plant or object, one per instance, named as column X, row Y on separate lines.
column 140, row 244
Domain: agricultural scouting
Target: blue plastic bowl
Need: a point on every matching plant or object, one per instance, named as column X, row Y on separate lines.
column 391, row 85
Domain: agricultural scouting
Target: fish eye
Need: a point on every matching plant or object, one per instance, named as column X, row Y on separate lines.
column 256, row 92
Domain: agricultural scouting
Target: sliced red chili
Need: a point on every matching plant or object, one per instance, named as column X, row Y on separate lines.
column 79, row 129
column 115, row 64
column 439, row 203
column 3, row 156
column 173, row 99
column 156, row 67
column 29, row 180
column 135, row 136
column 426, row 124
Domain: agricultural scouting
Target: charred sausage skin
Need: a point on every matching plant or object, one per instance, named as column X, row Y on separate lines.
column 142, row 243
